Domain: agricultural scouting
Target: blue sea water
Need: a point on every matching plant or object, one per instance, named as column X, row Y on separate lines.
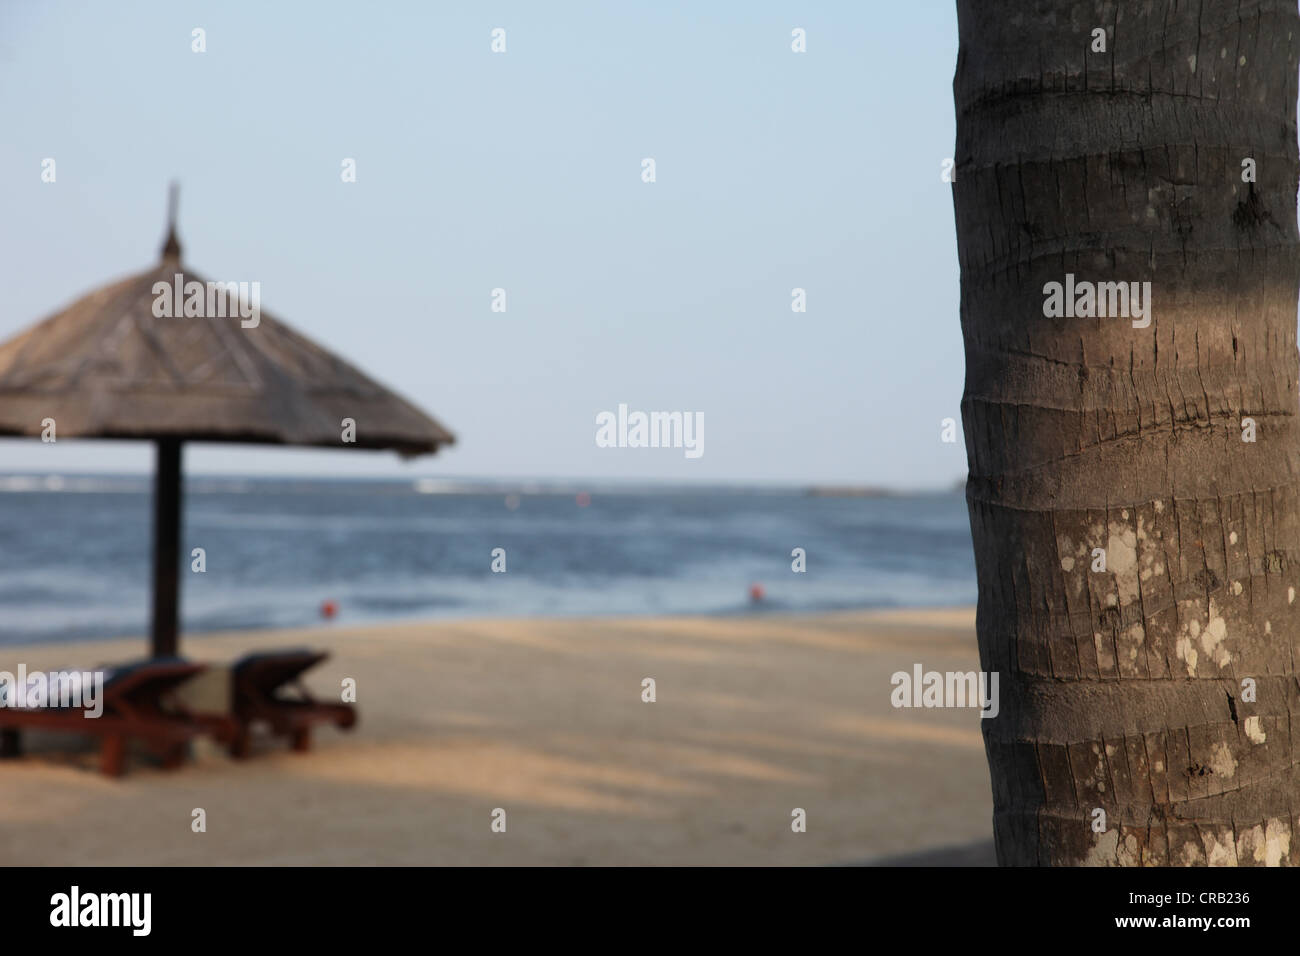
column 75, row 552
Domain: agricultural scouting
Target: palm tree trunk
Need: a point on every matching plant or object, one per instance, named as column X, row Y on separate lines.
column 1129, row 689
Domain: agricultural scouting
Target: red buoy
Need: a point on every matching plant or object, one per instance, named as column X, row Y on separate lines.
column 328, row 609
column 757, row 592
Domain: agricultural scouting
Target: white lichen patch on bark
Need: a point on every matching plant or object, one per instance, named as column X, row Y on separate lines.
column 1105, row 654
column 1191, row 855
column 1277, row 843
column 1130, row 644
column 1185, row 646
column 1074, row 555
column 1223, row 763
column 1151, row 552
column 1121, row 560
column 1099, row 771
column 1268, row 844
column 1219, row 848
column 1129, row 853
column 1187, row 653
column 1255, row 731
column 1103, row 852
column 1097, row 532
column 1212, row 638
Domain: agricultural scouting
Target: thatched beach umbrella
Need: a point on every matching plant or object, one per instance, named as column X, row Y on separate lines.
column 109, row 367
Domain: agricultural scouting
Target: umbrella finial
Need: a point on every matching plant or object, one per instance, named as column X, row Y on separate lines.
column 172, row 247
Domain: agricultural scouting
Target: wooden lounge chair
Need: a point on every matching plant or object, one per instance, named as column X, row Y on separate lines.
column 257, row 684
column 134, row 709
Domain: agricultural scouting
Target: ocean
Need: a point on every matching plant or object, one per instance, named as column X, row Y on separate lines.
column 75, row 552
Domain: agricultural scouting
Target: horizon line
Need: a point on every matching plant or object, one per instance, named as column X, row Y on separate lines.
column 512, row 483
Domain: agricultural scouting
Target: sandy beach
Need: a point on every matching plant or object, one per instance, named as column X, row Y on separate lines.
column 754, row 717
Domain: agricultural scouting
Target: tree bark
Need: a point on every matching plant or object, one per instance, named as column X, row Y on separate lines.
column 1128, row 690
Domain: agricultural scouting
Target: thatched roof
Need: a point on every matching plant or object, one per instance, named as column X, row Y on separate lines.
column 105, row 367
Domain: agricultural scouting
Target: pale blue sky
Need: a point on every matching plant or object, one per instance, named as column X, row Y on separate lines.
column 478, row 170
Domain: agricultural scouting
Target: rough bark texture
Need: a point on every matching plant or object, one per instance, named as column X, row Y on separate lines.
column 1123, row 689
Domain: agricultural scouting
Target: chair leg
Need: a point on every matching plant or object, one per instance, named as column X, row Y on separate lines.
column 302, row 739
column 11, row 744
column 112, row 755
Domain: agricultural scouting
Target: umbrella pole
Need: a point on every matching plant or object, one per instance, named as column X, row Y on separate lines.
column 166, row 547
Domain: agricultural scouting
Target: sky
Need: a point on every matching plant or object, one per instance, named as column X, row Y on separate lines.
column 522, row 170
